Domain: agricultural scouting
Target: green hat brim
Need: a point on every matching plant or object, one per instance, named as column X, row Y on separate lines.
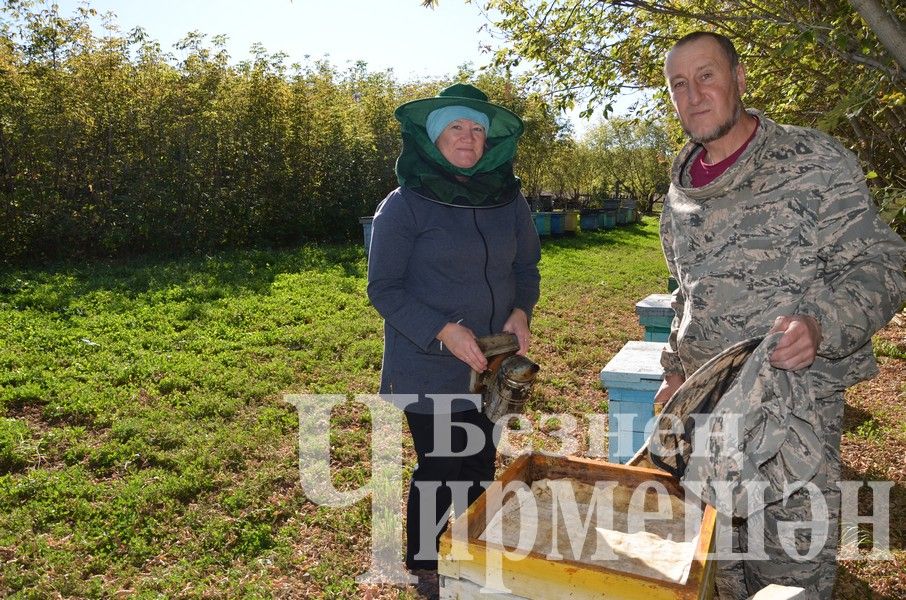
column 504, row 123
column 502, row 136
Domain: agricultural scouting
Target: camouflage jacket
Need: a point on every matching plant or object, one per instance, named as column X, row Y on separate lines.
column 789, row 228
column 763, row 441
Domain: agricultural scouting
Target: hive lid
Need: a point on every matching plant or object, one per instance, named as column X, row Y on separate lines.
column 655, row 305
column 636, row 361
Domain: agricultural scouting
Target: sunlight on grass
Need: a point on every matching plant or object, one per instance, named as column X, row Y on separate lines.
column 144, row 442
column 140, row 399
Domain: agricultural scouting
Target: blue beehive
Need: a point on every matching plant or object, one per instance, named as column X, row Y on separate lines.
column 608, row 219
column 656, row 316
column 558, row 223
column 588, row 220
column 542, row 223
column 632, row 378
column 366, row 231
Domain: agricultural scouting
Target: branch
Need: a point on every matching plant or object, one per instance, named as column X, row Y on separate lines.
column 720, row 22
column 885, row 25
column 824, row 41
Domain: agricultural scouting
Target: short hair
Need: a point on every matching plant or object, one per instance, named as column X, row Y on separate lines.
column 723, row 41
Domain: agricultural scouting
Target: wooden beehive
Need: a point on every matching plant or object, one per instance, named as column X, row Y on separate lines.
column 632, row 378
column 656, row 316
column 535, row 576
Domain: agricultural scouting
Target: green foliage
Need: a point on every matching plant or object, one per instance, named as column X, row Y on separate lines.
column 889, row 349
column 892, row 205
column 812, row 64
column 110, row 146
column 869, row 430
column 619, row 153
column 632, row 155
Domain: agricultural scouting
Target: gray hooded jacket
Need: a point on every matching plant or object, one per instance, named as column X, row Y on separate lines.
column 431, row 264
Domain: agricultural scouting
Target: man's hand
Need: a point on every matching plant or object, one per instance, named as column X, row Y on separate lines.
column 460, row 341
column 799, row 345
column 517, row 324
column 671, row 383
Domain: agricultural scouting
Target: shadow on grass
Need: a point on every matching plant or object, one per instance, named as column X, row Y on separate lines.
column 853, row 417
column 634, row 234
column 199, row 278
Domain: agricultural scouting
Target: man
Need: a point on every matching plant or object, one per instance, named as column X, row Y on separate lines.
column 770, row 227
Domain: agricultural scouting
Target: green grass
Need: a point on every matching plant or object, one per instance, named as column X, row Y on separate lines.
column 886, row 348
column 870, row 430
column 142, row 422
column 146, row 451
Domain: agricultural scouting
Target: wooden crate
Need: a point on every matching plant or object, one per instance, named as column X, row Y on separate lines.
column 534, row 576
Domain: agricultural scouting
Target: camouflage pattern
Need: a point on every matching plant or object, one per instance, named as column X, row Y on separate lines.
column 765, row 430
column 669, row 447
column 739, row 580
column 790, row 228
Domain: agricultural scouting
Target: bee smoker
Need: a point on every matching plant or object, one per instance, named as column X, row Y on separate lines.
column 508, row 381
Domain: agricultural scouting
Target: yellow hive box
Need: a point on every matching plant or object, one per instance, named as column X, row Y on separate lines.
column 534, row 574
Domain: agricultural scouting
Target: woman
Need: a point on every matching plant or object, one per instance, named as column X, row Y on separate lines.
column 454, row 255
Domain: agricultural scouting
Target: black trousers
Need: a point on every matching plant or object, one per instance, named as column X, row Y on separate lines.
column 471, row 469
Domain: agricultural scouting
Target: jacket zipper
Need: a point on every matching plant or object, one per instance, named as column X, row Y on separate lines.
column 486, row 279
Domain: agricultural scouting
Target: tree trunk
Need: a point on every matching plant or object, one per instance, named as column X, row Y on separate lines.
column 8, row 176
column 886, row 26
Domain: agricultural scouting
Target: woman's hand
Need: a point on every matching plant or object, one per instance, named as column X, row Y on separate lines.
column 460, row 341
column 517, row 324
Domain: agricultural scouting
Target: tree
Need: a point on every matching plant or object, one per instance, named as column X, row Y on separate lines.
column 885, row 25
column 109, row 145
column 815, row 64
column 574, row 172
column 632, row 155
column 537, row 146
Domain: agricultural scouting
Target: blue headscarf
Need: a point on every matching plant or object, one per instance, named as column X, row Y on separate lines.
column 438, row 119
